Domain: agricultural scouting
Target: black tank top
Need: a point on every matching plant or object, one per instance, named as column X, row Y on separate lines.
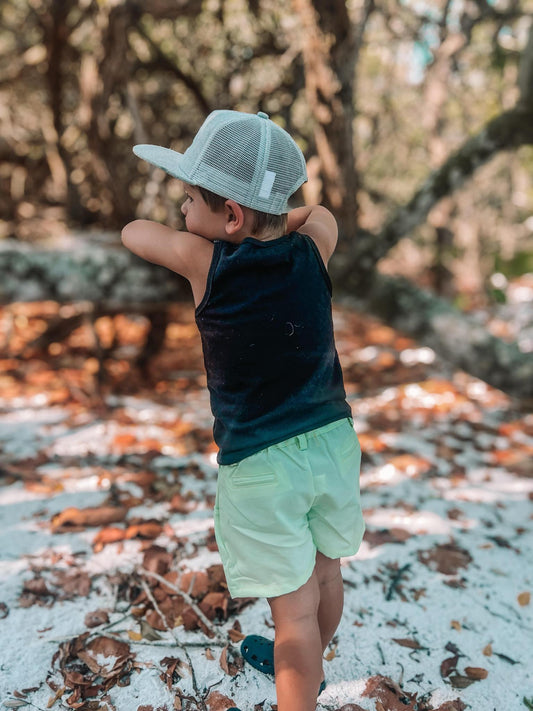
column 267, row 336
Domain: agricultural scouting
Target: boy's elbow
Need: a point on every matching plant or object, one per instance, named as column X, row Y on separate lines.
column 124, row 235
column 129, row 233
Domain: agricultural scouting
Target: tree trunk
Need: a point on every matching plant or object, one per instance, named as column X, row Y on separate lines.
column 329, row 66
column 56, row 34
column 113, row 70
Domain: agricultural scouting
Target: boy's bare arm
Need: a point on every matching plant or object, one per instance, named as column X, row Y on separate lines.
column 317, row 222
column 182, row 252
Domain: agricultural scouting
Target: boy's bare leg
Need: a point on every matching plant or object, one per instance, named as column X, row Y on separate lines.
column 329, row 576
column 297, row 647
column 305, row 621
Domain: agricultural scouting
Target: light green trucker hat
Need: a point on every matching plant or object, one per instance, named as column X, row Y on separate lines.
column 245, row 157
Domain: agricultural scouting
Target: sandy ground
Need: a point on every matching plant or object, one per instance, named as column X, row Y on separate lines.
column 438, row 599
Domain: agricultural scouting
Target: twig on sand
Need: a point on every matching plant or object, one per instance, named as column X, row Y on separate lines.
column 163, row 644
column 188, row 599
column 152, row 599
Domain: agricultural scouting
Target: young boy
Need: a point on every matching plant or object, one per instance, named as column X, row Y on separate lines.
column 287, row 503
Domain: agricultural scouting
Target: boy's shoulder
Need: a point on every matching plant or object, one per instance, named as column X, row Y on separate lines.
column 318, row 223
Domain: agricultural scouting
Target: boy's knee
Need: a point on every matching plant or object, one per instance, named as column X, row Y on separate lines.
column 327, row 569
column 300, row 605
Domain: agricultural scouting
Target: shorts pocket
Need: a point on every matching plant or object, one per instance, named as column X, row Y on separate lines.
column 243, row 480
column 252, row 475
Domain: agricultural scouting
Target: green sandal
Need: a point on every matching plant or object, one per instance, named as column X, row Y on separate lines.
column 258, row 651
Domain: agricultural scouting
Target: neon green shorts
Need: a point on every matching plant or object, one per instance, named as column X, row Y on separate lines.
column 275, row 509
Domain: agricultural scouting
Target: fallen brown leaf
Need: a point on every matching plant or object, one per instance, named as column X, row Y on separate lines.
column 123, row 441
column 171, row 675
column 89, row 517
column 410, row 464
column 447, row 558
column 217, row 578
column 456, row 705
column 215, row 604
column 411, row 643
column 58, row 694
column 231, row 662
column 36, row 586
column 448, row 666
column 386, row 535
column 144, row 529
column 106, row 662
column 236, row 636
column 96, row 618
column 476, row 673
column 105, row 656
column 330, row 656
column 73, row 584
column 189, row 619
column 194, row 582
column 460, row 681
column 157, row 560
column 179, row 504
column 524, row 598
column 173, row 608
column 14, row 703
column 387, row 693
column 218, row 702
column 110, row 534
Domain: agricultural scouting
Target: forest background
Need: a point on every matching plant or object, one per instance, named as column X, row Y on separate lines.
column 416, row 120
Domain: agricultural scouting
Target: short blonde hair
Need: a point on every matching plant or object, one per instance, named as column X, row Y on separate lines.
column 263, row 221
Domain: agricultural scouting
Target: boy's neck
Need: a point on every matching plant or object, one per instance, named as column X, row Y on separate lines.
column 266, row 236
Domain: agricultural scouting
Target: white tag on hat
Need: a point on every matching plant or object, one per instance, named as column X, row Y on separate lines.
column 266, row 186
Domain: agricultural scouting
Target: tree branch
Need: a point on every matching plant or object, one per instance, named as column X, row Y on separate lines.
column 163, row 61
column 507, row 131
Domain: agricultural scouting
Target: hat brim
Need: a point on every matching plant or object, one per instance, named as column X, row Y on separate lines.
column 165, row 158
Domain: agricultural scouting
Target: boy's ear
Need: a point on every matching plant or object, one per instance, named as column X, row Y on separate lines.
column 234, row 217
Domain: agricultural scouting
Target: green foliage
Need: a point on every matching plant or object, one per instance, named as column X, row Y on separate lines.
column 497, row 296
column 520, row 263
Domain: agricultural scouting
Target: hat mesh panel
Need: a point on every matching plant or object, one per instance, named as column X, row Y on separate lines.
column 230, row 155
column 234, row 152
